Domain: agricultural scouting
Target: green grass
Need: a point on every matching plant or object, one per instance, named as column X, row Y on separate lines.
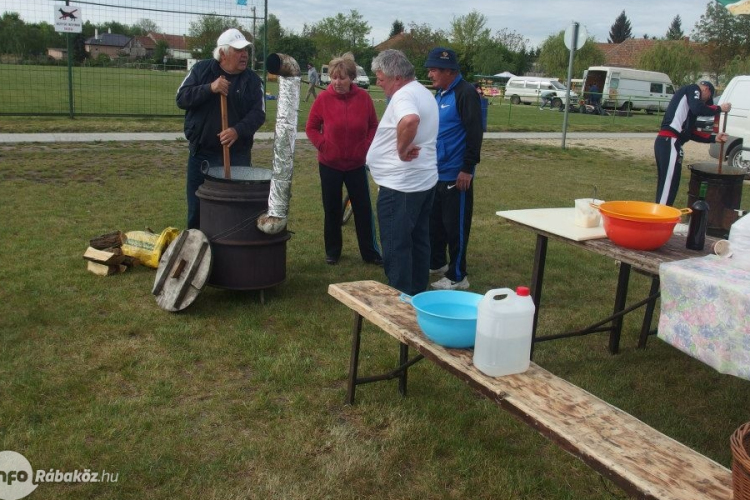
column 43, row 90
column 235, row 399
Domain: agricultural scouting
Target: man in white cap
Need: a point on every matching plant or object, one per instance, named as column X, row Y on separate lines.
column 227, row 73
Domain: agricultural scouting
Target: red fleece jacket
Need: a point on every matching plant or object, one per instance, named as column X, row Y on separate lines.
column 341, row 127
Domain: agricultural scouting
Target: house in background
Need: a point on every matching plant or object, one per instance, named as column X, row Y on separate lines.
column 57, row 54
column 178, row 45
column 109, row 44
column 625, row 54
column 147, row 44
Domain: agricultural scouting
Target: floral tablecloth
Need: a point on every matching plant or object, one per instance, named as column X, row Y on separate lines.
column 705, row 312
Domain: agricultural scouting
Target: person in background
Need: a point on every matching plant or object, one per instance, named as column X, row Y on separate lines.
column 312, row 80
column 227, row 73
column 677, row 128
column 595, row 99
column 403, row 161
column 459, row 143
column 341, row 126
column 546, row 96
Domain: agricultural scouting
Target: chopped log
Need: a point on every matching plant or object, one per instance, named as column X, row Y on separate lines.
column 104, row 270
column 107, row 258
column 114, row 239
column 129, row 261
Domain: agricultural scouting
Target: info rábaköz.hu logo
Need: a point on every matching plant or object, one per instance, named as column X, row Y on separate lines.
column 16, row 476
column 18, row 479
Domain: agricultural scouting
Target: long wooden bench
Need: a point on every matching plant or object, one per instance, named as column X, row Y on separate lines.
column 641, row 460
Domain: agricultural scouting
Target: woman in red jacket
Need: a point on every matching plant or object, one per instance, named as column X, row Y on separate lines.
column 341, row 126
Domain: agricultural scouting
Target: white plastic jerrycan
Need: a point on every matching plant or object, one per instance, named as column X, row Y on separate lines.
column 504, row 322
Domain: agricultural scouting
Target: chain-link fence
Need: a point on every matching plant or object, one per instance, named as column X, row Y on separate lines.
column 128, row 60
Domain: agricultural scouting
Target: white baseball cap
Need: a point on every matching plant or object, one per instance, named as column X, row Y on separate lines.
column 233, row 38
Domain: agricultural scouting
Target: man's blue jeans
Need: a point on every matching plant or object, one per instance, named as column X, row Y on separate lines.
column 405, row 238
column 195, row 178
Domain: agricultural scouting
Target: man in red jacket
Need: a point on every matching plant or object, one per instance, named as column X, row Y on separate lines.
column 341, row 125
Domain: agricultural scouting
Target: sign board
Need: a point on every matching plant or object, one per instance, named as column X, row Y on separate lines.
column 580, row 39
column 68, row 18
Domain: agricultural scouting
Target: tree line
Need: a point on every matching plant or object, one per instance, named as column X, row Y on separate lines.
column 720, row 43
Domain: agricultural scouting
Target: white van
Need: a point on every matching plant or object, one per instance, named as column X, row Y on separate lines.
column 526, row 89
column 737, row 93
column 363, row 81
column 629, row 89
column 325, row 78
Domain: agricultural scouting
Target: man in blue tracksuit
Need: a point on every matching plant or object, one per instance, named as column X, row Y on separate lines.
column 459, row 143
column 677, row 128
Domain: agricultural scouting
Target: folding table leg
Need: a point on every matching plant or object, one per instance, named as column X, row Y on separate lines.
column 537, row 279
column 649, row 314
column 354, row 359
column 620, row 298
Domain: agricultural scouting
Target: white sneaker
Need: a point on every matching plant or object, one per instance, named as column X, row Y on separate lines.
column 447, row 284
column 440, row 270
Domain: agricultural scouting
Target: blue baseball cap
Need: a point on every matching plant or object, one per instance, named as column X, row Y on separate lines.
column 441, row 57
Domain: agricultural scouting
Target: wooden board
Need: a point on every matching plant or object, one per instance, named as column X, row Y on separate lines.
column 559, row 221
column 640, row 459
column 183, row 271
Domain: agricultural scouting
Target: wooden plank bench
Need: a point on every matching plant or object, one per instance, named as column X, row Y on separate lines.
column 638, row 458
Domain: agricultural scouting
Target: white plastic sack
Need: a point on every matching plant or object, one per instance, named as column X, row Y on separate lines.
column 739, row 240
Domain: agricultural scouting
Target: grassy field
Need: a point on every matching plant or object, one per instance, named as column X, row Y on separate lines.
column 42, row 90
column 234, row 399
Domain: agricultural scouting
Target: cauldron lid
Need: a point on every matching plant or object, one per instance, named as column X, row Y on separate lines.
column 710, row 167
column 240, row 173
column 183, row 271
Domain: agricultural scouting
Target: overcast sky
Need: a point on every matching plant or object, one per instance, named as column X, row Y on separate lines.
column 534, row 20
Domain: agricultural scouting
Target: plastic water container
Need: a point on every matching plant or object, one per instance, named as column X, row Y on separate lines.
column 503, row 341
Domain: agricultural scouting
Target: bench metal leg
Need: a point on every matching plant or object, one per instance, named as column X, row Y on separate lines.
column 649, row 314
column 400, row 372
column 403, row 358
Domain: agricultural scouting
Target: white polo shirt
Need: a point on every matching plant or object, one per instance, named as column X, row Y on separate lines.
column 386, row 167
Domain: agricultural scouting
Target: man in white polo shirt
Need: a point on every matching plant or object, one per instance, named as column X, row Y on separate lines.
column 403, row 162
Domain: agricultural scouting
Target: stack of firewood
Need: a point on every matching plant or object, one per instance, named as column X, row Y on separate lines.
column 104, row 255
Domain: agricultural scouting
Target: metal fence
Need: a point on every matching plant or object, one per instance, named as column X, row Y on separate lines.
column 129, row 59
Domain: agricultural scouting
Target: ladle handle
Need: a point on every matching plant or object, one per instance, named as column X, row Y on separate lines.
column 224, row 126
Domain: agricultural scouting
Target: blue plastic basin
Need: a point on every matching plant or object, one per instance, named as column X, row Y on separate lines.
column 447, row 317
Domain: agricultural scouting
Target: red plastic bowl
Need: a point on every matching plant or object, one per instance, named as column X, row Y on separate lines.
column 638, row 235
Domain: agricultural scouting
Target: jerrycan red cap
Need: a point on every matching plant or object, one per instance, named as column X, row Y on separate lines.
column 522, row 291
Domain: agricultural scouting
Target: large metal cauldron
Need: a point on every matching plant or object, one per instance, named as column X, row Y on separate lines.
column 244, row 258
column 723, row 195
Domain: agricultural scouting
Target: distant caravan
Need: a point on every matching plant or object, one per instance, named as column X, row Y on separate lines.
column 629, row 89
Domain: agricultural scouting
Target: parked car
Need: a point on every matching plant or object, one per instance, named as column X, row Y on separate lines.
column 737, row 92
column 705, row 124
column 362, row 80
column 526, row 89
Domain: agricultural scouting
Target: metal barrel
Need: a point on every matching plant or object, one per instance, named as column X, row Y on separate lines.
column 244, row 258
column 723, row 195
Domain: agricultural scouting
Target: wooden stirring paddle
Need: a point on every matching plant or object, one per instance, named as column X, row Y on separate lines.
column 224, row 126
